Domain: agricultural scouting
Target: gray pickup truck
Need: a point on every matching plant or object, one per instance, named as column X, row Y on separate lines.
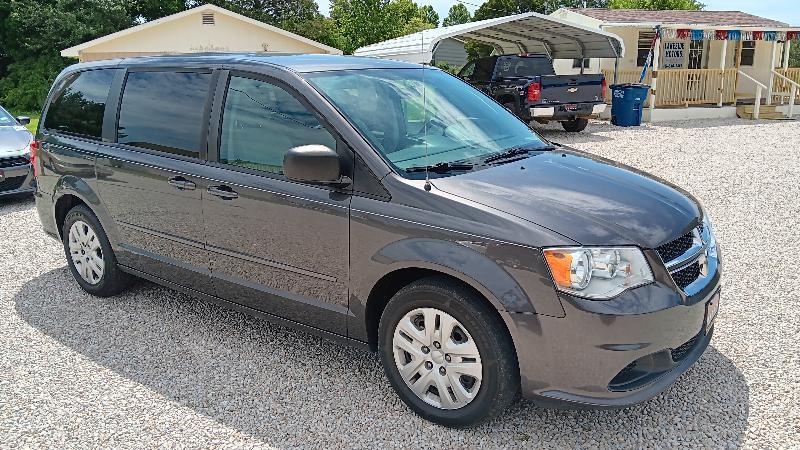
column 527, row 85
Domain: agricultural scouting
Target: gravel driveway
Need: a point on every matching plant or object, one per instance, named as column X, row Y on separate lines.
column 158, row 368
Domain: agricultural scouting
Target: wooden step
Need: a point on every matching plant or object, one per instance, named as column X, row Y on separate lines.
column 762, row 115
column 750, row 108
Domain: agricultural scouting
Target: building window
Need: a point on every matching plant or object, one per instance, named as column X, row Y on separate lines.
column 643, row 47
column 576, row 63
column 748, row 53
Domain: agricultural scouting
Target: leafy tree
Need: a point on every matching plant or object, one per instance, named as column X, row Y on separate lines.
column 656, row 4
column 429, row 15
column 364, row 22
column 273, row 12
column 457, row 14
column 794, row 54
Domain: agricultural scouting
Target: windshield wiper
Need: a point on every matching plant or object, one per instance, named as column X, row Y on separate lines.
column 442, row 167
column 514, row 152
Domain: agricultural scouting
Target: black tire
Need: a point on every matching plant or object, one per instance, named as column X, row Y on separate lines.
column 575, row 125
column 500, row 373
column 113, row 280
column 511, row 106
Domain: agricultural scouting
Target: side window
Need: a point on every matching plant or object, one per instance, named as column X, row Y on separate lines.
column 164, row 111
column 484, row 68
column 468, row 70
column 79, row 107
column 643, row 46
column 261, row 122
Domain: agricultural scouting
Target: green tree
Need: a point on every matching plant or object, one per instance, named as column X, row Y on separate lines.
column 364, row 22
column 656, row 4
column 457, row 14
column 429, row 15
column 794, row 54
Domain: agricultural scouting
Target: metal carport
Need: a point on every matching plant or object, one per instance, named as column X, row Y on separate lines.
column 528, row 32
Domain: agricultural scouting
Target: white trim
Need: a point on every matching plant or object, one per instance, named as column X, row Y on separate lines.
column 73, row 52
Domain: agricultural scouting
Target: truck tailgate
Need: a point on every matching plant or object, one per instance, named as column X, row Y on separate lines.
column 560, row 89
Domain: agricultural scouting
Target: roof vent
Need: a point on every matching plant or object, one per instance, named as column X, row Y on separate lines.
column 208, row 18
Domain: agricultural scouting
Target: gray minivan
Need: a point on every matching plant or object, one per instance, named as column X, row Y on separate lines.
column 388, row 205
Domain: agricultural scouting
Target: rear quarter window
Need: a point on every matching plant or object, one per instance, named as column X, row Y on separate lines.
column 78, row 109
column 163, row 111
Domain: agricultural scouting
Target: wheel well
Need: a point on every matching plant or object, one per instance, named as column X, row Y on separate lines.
column 63, row 205
column 391, row 283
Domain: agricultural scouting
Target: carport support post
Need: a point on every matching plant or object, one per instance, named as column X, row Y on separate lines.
column 654, row 65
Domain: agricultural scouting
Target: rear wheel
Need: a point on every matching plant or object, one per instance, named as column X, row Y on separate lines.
column 575, row 125
column 447, row 354
column 89, row 255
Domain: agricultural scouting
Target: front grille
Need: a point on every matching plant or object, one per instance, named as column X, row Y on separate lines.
column 687, row 275
column 11, row 184
column 679, row 353
column 15, row 161
column 675, row 248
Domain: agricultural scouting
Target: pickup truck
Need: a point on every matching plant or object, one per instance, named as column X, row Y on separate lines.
column 526, row 84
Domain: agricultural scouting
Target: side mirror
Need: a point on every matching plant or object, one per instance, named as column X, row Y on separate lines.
column 23, row 120
column 313, row 164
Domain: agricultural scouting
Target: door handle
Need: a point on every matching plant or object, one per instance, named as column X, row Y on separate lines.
column 223, row 192
column 181, row 183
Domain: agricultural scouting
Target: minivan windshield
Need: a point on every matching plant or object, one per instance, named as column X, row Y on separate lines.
column 399, row 110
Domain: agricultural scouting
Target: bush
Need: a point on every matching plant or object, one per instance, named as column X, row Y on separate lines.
column 28, row 80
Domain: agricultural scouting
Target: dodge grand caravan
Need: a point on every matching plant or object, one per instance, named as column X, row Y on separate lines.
column 388, row 205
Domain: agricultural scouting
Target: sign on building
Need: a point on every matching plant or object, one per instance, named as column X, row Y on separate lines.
column 673, row 55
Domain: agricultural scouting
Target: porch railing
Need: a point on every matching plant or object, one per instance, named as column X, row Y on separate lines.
column 781, row 87
column 625, row 76
column 684, row 87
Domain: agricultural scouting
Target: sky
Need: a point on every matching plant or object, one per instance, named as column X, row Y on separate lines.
column 784, row 10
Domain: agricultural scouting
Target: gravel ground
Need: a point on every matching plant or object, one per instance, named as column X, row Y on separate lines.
column 158, row 368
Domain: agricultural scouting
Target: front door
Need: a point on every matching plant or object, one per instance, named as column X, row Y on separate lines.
column 277, row 246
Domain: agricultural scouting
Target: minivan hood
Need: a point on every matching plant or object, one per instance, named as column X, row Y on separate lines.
column 14, row 141
column 588, row 199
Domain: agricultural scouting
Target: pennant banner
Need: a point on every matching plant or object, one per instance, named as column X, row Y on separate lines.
column 731, row 35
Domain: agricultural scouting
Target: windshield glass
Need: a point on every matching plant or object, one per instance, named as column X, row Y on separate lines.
column 6, row 119
column 388, row 107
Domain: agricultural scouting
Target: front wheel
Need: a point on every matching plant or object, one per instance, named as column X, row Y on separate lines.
column 575, row 125
column 447, row 354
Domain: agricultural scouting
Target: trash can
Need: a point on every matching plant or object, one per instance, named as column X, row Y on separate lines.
column 627, row 103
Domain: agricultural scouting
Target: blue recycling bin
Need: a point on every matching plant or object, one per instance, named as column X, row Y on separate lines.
column 627, row 103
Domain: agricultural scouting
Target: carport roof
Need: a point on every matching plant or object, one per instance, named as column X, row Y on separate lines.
column 528, row 32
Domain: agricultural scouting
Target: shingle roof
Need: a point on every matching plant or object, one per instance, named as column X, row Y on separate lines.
column 718, row 18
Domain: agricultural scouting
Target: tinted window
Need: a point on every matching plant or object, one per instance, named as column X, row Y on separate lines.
column 483, row 69
column 79, row 107
column 164, row 111
column 517, row 66
column 261, row 122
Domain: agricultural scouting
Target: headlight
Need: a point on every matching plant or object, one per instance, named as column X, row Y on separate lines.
column 597, row 273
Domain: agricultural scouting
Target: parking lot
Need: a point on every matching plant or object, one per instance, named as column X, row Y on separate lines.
column 157, row 368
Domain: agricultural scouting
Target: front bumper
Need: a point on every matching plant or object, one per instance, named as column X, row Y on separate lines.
column 15, row 180
column 590, row 359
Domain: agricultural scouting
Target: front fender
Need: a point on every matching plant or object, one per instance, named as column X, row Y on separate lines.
column 509, row 276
